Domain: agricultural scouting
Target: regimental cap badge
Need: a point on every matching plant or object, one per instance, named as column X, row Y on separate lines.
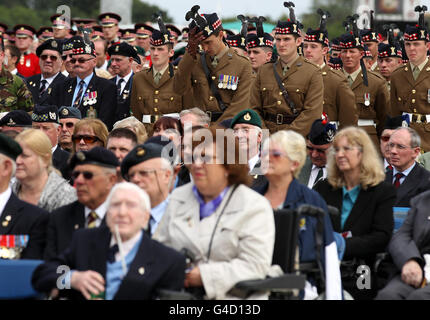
column 81, row 156
column 117, row 49
column 88, row 49
column 247, row 117
column 65, row 112
column 11, row 122
column 140, row 152
column 52, row 116
column 54, row 44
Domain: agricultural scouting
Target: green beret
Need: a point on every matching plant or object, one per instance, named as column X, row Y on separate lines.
column 9, row 147
column 247, row 116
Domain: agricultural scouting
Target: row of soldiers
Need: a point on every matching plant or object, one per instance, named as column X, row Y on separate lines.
column 288, row 91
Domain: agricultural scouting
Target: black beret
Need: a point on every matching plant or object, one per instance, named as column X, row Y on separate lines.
column 213, row 23
column 236, row 41
column 124, row 49
column 98, row 156
column 396, row 122
column 16, row 118
column 368, row 35
column 349, row 41
column 80, row 47
column 9, row 147
column 253, row 41
column 141, row 153
column 247, row 116
column 317, row 36
column 45, row 113
column 159, row 38
column 322, row 132
column 66, row 112
column 386, row 50
column 51, row 44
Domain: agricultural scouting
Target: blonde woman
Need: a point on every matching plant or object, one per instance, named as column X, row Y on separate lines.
column 355, row 186
column 37, row 182
column 134, row 125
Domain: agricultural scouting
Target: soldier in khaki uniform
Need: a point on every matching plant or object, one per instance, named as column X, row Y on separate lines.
column 372, row 99
column 152, row 93
column 229, row 73
column 301, row 79
column 14, row 94
column 260, row 46
column 371, row 39
column 339, row 100
column 410, row 84
column 389, row 58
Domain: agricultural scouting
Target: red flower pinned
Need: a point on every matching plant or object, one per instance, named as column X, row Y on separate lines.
column 324, row 118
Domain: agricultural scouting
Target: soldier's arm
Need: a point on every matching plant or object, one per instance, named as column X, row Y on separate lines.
column 312, row 106
column 240, row 100
column 134, row 102
column 256, row 102
column 24, row 96
column 347, row 109
column 182, row 78
column 395, row 104
column 108, row 105
column 382, row 106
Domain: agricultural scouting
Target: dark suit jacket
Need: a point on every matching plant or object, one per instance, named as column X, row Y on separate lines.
column 370, row 221
column 123, row 102
column 60, row 158
column 26, row 219
column 416, row 182
column 106, row 105
column 305, row 173
column 63, row 223
column 164, row 268
column 33, row 84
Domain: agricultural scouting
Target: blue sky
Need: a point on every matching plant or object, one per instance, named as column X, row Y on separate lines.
column 227, row 8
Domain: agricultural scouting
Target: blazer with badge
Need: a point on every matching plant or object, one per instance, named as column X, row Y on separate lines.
column 416, row 182
column 154, row 267
column 22, row 218
column 123, row 100
column 304, row 84
column 63, row 223
column 373, row 102
column 370, row 222
column 413, row 97
column 33, row 84
column 232, row 77
column 100, row 96
column 339, row 100
column 149, row 98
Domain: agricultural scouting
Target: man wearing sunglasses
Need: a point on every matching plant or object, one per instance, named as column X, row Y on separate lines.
column 94, row 175
column 95, row 97
column 146, row 167
column 68, row 118
column 50, row 62
column 317, row 143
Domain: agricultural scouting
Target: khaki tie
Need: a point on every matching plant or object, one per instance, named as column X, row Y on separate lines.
column 416, row 72
column 350, row 80
column 215, row 62
column 157, row 77
column 92, row 219
column 285, row 70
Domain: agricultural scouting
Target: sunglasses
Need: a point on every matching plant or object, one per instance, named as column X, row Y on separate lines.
column 67, row 124
column 80, row 60
column 385, row 138
column 45, row 57
column 66, row 56
column 87, row 139
column 87, row 175
column 311, row 149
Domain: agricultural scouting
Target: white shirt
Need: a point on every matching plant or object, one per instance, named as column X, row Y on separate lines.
column 126, row 245
column 252, row 162
column 54, row 148
column 126, row 78
column 314, row 174
column 405, row 173
column 48, row 80
column 4, row 198
column 101, row 212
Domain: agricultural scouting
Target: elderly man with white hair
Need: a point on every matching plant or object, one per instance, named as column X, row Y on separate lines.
column 117, row 261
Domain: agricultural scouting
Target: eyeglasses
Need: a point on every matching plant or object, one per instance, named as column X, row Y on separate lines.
column 80, row 60
column 87, row 139
column 88, row 175
column 385, row 138
column 67, row 124
column 311, row 149
column 398, row 146
column 46, row 56
column 145, row 173
column 66, row 56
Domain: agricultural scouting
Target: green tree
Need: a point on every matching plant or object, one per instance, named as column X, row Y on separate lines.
column 142, row 12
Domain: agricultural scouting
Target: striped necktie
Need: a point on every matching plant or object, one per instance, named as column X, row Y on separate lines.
column 399, row 175
column 43, row 87
column 92, row 220
column 79, row 95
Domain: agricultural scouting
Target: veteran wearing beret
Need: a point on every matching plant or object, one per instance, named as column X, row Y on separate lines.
column 50, row 62
column 20, row 222
column 94, row 175
column 149, row 167
column 220, row 79
column 69, row 116
column 15, row 122
column 153, row 94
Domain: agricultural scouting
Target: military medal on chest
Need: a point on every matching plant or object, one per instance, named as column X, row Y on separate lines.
column 28, row 63
column 90, row 98
column 221, row 81
column 367, row 99
column 125, row 94
column 91, row 113
column 428, row 95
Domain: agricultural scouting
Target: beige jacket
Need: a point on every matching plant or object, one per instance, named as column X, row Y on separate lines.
column 243, row 243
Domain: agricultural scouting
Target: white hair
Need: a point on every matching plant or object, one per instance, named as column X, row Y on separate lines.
column 128, row 186
column 199, row 113
column 4, row 158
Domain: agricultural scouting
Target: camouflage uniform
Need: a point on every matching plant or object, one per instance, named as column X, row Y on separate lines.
column 14, row 94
